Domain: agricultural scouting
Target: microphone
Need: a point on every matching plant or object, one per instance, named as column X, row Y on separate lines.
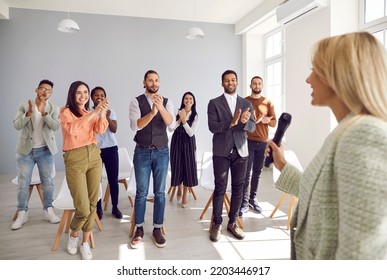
column 283, row 124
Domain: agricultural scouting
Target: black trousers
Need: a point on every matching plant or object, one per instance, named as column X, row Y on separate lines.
column 255, row 164
column 111, row 162
column 222, row 165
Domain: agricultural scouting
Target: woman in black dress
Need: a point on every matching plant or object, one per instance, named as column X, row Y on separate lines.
column 183, row 148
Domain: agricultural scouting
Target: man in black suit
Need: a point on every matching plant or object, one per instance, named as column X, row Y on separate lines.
column 229, row 117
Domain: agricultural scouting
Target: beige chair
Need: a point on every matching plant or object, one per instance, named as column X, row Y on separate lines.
column 207, row 182
column 131, row 191
column 125, row 167
column 35, row 181
column 64, row 201
column 291, row 158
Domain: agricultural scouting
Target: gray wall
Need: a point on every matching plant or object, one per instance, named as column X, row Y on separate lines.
column 113, row 52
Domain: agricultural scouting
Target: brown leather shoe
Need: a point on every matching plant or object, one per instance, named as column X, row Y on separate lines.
column 137, row 239
column 158, row 238
column 236, row 231
column 215, row 233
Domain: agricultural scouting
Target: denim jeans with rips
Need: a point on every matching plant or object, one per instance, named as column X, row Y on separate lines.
column 25, row 165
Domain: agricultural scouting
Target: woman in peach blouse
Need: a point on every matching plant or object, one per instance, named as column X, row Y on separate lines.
column 82, row 160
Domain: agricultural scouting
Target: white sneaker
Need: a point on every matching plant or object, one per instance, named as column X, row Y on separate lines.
column 22, row 218
column 72, row 245
column 49, row 215
column 85, row 251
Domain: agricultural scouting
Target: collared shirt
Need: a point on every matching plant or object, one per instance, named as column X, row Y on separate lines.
column 108, row 139
column 78, row 132
column 231, row 100
column 135, row 112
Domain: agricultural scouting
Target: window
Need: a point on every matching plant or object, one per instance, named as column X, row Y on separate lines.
column 374, row 9
column 381, row 35
column 274, row 72
column 373, row 18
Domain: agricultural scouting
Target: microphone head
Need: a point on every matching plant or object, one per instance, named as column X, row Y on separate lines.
column 285, row 118
column 283, row 124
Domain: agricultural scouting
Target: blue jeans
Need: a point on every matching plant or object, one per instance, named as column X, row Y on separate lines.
column 255, row 163
column 147, row 161
column 25, row 164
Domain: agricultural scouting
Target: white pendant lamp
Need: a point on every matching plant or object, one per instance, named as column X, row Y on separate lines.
column 68, row 25
column 194, row 32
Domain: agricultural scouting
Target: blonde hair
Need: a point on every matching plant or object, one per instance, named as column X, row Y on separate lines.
column 354, row 65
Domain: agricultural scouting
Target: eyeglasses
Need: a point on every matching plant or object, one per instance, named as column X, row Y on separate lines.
column 46, row 89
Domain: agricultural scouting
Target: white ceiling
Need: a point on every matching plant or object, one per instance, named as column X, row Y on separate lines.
column 214, row 11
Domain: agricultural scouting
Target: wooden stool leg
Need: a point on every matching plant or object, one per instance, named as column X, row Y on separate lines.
column 172, row 189
column 91, row 238
column 240, row 223
column 163, row 230
column 69, row 216
column 207, row 206
column 98, row 222
column 191, row 190
column 278, row 204
column 226, row 201
column 106, row 197
column 131, row 201
column 39, row 188
column 60, row 229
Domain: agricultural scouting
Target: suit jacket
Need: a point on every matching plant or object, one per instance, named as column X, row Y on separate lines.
column 219, row 120
column 342, row 195
column 24, row 124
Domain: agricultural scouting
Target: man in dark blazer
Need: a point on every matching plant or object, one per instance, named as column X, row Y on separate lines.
column 229, row 117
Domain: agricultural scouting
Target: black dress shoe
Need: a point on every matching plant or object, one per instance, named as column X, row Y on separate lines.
column 117, row 213
column 215, row 233
column 99, row 213
column 236, row 231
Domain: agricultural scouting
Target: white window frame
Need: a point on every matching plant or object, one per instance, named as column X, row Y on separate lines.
column 372, row 26
column 270, row 61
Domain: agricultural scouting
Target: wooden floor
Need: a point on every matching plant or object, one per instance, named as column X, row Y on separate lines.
column 187, row 236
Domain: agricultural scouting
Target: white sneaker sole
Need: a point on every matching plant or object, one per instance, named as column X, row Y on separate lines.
column 137, row 245
column 15, row 228
column 52, row 222
column 159, row 245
